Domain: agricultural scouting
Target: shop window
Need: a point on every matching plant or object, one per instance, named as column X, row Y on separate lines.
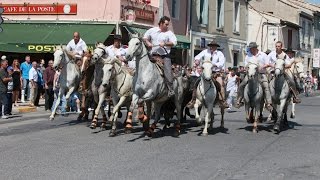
column 220, row 13
column 236, row 16
column 175, row 6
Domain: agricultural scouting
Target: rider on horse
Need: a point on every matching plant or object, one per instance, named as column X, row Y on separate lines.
column 279, row 53
column 218, row 61
column 256, row 56
column 160, row 40
column 116, row 50
column 77, row 46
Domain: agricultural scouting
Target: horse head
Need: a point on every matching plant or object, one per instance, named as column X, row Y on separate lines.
column 298, row 67
column 59, row 56
column 279, row 66
column 108, row 70
column 207, row 70
column 252, row 70
column 86, row 61
column 99, row 52
column 135, row 47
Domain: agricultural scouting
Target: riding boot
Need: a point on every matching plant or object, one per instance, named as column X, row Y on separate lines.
column 190, row 105
column 295, row 93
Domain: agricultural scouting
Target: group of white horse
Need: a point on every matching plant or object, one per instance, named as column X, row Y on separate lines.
column 147, row 86
column 279, row 90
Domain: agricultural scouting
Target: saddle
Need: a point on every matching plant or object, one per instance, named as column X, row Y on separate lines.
column 159, row 62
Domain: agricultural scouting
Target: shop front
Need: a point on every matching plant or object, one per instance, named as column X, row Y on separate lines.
column 40, row 38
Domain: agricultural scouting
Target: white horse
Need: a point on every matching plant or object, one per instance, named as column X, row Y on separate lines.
column 121, row 88
column 99, row 58
column 69, row 77
column 149, row 86
column 296, row 71
column 280, row 93
column 206, row 95
column 253, row 96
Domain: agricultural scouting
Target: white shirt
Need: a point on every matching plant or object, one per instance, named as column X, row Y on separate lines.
column 155, row 36
column 33, row 75
column 272, row 57
column 78, row 48
column 217, row 58
column 232, row 83
column 260, row 57
column 113, row 52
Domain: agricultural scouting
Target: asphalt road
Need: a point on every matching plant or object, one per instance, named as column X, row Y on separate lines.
column 31, row 147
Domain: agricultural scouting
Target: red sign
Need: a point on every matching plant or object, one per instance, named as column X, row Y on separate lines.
column 39, row 9
column 144, row 14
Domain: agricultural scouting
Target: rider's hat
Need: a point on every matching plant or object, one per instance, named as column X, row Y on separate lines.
column 290, row 50
column 213, row 43
column 117, row 36
column 253, row 45
column 268, row 51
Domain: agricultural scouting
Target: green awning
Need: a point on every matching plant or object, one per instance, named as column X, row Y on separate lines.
column 42, row 37
column 182, row 41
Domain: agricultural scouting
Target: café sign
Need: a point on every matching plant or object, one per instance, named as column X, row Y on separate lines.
column 39, row 9
column 48, row 48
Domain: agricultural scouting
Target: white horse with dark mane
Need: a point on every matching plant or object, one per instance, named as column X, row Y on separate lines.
column 149, row 86
column 253, row 96
column 280, row 93
column 206, row 95
column 120, row 81
column 69, row 78
column 99, row 90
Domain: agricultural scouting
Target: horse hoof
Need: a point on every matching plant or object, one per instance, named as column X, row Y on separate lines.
column 292, row 116
column 176, row 133
column 128, row 130
column 276, row 129
column 204, row 134
column 51, row 118
column 93, row 126
column 149, row 133
column 255, row 130
column 103, row 126
column 79, row 118
column 112, row 133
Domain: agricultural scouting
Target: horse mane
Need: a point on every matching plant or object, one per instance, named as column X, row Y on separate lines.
column 100, row 45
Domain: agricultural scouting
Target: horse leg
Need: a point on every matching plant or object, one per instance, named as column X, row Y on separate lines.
column 178, row 102
column 71, row 90
column 98, row 100
column 83, row 108
column 60, row 94
column 256, row 115
column 222, row 117
column 114, row 116
column 104, row 116
column 205, row 129
column 196, row 109
column 157, row 110
column 293, row 110
column 277, row 126
column 128, row 122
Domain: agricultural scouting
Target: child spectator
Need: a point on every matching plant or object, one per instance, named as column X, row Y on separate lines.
column 8, row 107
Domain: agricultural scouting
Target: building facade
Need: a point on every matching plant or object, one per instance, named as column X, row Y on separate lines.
column 222, row 20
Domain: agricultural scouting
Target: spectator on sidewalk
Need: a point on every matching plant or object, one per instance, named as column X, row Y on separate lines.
column 42, row 68
column 33, row 78
column 8, row 107
column 48, row 77
column 40, row 86
column 315, row 82
column 4, row 79
column 17, row 81
column 25, row 68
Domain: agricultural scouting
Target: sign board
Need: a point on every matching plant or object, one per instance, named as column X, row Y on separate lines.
column 39, row 9
column 48, row 48
column 316, row 58
column 144, row 14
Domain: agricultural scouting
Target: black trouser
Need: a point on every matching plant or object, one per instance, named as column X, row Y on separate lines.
column 49, row 98
column 8, row 107
column 3, row 101
column 36, row 102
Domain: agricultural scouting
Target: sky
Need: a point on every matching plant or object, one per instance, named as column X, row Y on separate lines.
column 314, row 1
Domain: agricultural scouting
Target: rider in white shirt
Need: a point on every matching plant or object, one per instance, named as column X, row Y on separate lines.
column 254, row 56
column 77, row 46
column 279, row 53
column 160, row 40
column 218, row 61
column 116, row 50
